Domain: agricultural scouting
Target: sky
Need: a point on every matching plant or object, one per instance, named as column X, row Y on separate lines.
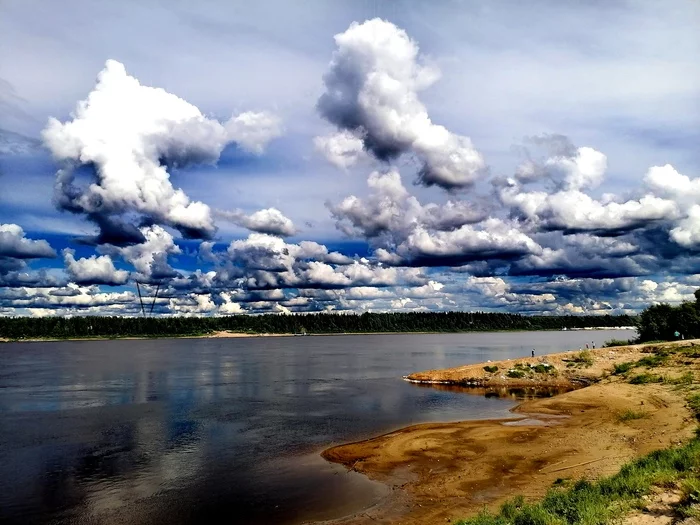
column 334, row 155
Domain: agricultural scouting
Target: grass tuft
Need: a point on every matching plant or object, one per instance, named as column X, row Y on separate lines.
column 623, row 368
column 685, row 379
column 694, row 404
column 491, row 369
column 583, row 358
column 617, row 342
column 544, row 369
column 690, row 498
column 654, row 360
column 643, row 379
column 515, row 373
column 629, row 415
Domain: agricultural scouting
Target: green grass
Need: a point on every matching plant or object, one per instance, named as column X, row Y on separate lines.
column 651, row 361
column 491, row 369
column 623, row 368
column 690, row 351
column 583, row 358
column 690, row 498
column 544, row 369
column 630, row 415
column 685, row 379
column 694, row 404
column 596, row 503
column 645, row 378
column 515, row 374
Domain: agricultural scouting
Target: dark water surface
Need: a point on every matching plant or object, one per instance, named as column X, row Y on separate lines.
column 187, row 431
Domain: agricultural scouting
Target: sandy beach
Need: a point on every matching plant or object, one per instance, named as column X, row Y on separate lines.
column 442, row 472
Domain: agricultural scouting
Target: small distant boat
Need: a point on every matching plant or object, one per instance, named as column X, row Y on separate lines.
column 564, row 329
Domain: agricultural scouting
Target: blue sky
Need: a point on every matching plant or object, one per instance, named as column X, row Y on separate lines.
column 466, row 96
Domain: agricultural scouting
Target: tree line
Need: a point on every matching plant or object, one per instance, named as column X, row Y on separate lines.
column 661, row 322
column 323, row 323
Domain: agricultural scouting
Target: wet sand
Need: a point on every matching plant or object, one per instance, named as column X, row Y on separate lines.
column 442, row 472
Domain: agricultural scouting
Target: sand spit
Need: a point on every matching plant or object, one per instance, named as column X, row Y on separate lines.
column 561, row 369
column 442, row 472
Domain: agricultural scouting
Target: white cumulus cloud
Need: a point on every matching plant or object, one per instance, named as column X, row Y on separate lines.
column 372, row 91
column 131, row 134
column 93, row 270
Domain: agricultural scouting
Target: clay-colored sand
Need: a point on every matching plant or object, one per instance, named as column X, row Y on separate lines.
column 443, row 472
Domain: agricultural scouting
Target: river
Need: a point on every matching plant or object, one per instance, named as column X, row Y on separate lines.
column 180, row 431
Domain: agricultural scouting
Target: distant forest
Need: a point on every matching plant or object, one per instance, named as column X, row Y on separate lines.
column 76, row 327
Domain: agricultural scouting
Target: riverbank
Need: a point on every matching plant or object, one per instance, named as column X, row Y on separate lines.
column 443, row 472
column 565, row 369
column 222, row 334
column 225, row 334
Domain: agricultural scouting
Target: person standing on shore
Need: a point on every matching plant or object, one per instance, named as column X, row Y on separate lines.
column 533, row 352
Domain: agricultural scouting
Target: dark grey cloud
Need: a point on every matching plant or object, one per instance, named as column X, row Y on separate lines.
column 28, row 278
column 390, row 213
column 14, row 244
column 492, row 239
column 149, row 258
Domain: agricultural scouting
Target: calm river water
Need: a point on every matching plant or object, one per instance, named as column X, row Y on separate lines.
column 187, row 431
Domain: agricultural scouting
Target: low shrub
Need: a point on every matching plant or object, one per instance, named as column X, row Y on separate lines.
column 617, row 342
column 541, row 368
column 630, row 415
column 491, row 369
column 685, row 379
column 694, row 404
column 515, row 374
column 651, row 361
column 623, row 368
column 643, row 379
column 584, row 357
column 690, row 498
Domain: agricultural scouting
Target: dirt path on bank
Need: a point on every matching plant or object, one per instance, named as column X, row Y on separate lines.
column 443, row 472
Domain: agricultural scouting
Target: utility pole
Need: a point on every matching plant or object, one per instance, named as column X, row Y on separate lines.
column 154, row 299
column 138, row 288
